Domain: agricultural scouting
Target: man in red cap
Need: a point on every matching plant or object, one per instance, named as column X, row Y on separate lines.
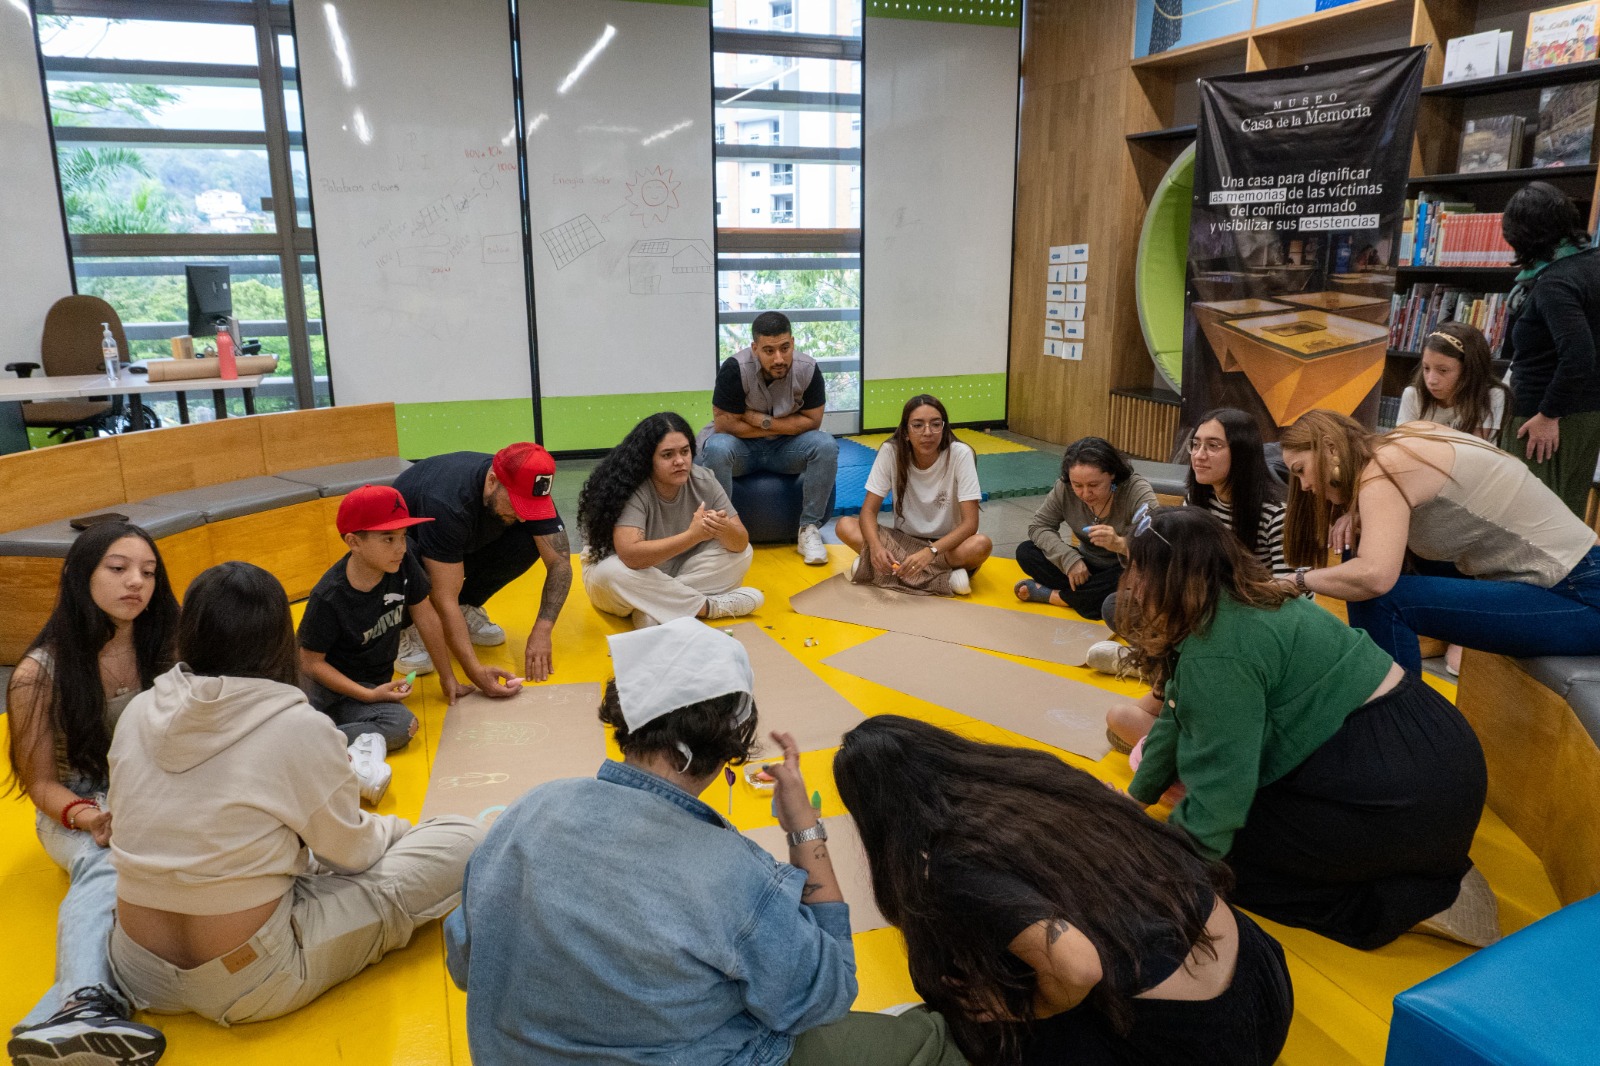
column 493, row 519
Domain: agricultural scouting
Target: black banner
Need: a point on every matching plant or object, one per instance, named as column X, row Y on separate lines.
column 1299, row 192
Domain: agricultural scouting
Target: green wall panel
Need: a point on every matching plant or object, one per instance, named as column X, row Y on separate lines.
column 462, row 426
column 968, row 398
column 573, row 423
column 976, row 12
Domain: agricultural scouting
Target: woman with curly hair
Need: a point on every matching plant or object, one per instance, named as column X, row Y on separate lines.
column 1341, row 790
column 662, row 540
column 108, row 638
column 1046, row 918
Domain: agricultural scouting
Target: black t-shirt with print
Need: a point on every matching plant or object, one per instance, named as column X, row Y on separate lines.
column 449, row 489
column 359, row 631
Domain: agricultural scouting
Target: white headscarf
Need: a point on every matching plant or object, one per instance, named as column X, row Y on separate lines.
column 667, row 667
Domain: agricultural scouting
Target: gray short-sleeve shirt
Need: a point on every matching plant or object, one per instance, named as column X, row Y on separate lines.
column 660, row 518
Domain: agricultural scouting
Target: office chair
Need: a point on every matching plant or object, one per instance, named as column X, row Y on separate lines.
column 71, row 345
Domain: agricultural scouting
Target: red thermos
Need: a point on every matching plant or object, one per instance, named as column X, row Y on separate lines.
column 227, row 366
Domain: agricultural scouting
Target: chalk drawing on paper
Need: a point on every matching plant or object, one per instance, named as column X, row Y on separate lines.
column 571, row 239
column 670, row 267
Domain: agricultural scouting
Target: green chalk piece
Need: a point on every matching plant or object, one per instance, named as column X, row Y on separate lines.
column 816, row 801
column 412, row 676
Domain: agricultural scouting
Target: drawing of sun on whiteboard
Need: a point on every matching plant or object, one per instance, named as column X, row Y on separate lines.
column 668, row 266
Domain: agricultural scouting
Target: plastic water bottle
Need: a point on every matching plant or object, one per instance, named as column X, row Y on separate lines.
column 108, row 349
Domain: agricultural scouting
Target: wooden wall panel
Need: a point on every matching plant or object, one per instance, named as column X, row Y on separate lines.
column 288, row 542
column 59, row 482
column 28, row 590
column 190, row 457
column 296, row 440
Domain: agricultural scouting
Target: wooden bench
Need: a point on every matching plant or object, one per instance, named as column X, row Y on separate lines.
column 264, row 489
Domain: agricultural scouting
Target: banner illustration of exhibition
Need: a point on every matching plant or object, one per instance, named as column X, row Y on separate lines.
column 1299, row 192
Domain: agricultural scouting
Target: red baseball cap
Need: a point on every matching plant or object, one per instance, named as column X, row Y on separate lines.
column 372, row 508
column 527, row 472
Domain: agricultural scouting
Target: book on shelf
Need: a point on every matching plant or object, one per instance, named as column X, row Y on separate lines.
column 1477, row 55
column 1565, row 137
column 1489, row 144
column 1416, row 313
column 1439, row 233
column 1558, row 35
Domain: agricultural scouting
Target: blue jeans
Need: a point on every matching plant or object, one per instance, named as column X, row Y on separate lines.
column 813, row 455
column 1503, row 617
column 83, row 923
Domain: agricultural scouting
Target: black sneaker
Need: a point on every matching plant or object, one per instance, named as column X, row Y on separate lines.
column 94, row 1031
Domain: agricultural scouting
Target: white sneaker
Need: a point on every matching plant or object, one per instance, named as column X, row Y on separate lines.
column 367, row 760
column 960, row 583
column 1108, row 657
column 481, row 631
column 736, row 604
column 413, row 654
column 850, row 574
column 809, row 544
column 1473, row 919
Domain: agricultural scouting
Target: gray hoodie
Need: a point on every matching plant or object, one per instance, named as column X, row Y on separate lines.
column 219, row 785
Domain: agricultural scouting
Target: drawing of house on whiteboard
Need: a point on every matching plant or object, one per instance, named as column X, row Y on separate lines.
column 667, row 266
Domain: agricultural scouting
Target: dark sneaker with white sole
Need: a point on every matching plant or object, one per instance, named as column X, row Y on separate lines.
column 92, row 1031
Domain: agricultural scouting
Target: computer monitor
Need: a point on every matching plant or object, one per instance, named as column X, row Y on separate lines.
column 210, row 299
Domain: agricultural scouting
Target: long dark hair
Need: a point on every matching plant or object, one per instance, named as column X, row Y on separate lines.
column 1098, row 453
column 1473, row 402
column 902, row 444
column 72, row 638
column 1177, row 571
column 236, row 623
column 1537, row 219
column 620, row 474
column 1250, row 487
column 924, row 798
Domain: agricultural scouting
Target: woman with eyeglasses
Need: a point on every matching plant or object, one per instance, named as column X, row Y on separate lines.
column 1342, row 791
column 1076, row 542
column 934, row 546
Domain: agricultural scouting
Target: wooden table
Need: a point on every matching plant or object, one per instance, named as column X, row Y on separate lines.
column 13, row 391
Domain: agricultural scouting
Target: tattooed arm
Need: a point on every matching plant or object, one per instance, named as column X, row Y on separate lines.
column 556, row 551
column 1067, row 964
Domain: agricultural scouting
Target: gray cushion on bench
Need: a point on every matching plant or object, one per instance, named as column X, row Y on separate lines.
column 51, row 540
column 340, row 478
column 1576, row 679
column 1168, row 479
column 234, row 499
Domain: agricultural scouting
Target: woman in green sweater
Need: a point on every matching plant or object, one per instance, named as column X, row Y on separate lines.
column 1343, row 791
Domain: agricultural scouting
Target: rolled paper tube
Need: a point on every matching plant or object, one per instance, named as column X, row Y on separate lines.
column 193, row 369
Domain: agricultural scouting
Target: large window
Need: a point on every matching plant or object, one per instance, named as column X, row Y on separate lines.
column 177, row 128
column 787, row 94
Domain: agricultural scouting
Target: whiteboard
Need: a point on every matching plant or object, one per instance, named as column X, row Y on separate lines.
column 940, row 124
column 33, row 245
column 620, row 195
column 410, row 136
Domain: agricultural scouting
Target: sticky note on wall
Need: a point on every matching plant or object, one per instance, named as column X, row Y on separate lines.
column 1072, row 331
column 1074, row 312
column 1077, row 253
column 1052, row 349
column 1053, row 328
column 1075, row 293
column 1059, row 253
column 1077, row 272
column 1058, row 274
column 1072, row 350
column 1055, row 310
column 1055, row 293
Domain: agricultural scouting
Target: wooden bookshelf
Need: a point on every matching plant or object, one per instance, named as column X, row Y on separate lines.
column 1171, row 133
column 1517, row 80
column 1585, row 174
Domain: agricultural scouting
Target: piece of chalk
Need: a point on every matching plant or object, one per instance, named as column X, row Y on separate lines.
column 727, row 772
column 774, row 806
column 411, row 677
column 816, row 801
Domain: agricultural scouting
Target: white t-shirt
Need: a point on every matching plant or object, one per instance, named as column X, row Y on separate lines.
column 1411, row 410
column 934, row 496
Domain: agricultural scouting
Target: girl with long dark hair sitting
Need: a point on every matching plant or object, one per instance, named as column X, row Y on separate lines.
column 249, row 879
column 934, row 546
column 1076, row 541
column 661, row 538
column 1046, row 918
column 108, row 637
column 1340, row 788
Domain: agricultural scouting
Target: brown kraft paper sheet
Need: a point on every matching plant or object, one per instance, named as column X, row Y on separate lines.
column 491, row 751
column 849, row 865
column 789, row 697
column 1054, row 710
column 1051, row 638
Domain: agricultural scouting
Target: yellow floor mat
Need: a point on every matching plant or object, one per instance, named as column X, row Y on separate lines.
column 406, row 1011
column 980, row 442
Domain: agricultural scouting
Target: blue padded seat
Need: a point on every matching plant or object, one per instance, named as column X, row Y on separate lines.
column 1576, row 679
column 769, row 505
column 340, row 478
column 235, row 499
column 50, row 540
column 1533, row 999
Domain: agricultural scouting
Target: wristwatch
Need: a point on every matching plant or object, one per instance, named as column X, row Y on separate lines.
column 766, row 421
column 934, row 548
column 1300, row 577
column 816, row 832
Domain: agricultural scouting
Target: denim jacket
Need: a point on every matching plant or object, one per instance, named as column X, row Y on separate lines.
column 620, row 920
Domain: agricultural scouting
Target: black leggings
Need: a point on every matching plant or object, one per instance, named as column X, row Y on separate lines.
column 1369, row 835
column 1245, row 1026
column 1087, row 598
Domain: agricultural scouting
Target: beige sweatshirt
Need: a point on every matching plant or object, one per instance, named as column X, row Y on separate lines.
column 220, row 785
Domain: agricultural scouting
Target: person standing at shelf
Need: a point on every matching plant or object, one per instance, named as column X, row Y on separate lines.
column 1555, row 317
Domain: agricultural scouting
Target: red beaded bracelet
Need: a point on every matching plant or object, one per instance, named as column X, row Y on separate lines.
column 66, row 812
